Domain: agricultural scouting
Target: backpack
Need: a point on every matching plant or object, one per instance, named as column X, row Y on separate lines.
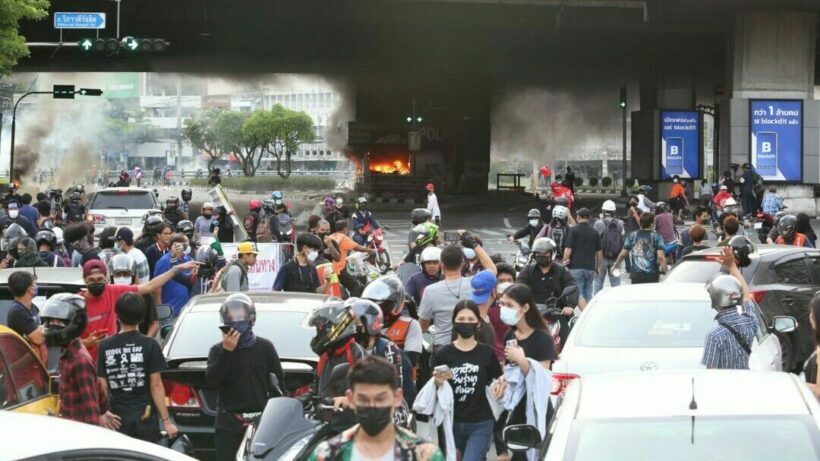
column 612, row 240
column 557, row 235
column 264, row 233
column 216, row 287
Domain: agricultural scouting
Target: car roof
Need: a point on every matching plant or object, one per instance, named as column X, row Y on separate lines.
column 275, row 301
column 653, row 291
column 48, row 275
column 65, row 436
column 124, row 189
column 670, row 393
column 761, row 251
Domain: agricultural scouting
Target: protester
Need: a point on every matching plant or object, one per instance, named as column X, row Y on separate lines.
column 299, row 274
column 747, row 194
column 430, row 261
column 644, row 248
column 123, row 272
column 81, row 237
column 472, row 265
column 236, row 272
column 788, row 234
column 46, row 243
column 13, row 216
column 107, row 243
column 432, row 203
column 27, row 254
column 483, row 295
column 803, row 226
column 702, row 218
column 27, row 210
column 344, row 245
column 24, row 317
column 177, row 291
column 128, row 366
column 125, row 240
column 611, row 231
column 583, row 255
column 677, row 198
column 202, row 225
column 697, row 235
column 150, row 232
column 222, row 224
column 159, row 249
column 388, row 292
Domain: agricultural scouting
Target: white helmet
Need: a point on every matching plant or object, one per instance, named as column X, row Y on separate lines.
column 560, row 212
column 430, row 254
column 58, row 233
column 208, row 205
column 608, row 206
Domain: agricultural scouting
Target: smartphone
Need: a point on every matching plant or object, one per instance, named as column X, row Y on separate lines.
column 674, row 156
column 442, row 369
column 766, row 148
column 451, row 236
column 512, row 342
column 225, row 328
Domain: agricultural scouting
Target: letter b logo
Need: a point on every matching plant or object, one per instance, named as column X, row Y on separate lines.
column 673, row 150
column 766, row 147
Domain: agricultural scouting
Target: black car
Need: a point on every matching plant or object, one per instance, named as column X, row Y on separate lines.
column 280, row 317
column 782, row 279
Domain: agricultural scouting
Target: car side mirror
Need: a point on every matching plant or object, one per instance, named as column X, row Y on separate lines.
column 164, row 312
column 521, row 437
column 573, row 321
column 165, row 331
column 54, row 384
column 784, row 324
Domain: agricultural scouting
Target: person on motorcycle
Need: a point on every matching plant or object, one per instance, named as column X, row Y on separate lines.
column 557, row 230
column 186, row 195
column 547, row 278
column 46, row 242
column 153, row 225
column 388, row 292
column 560, row 191
column 788, row 235
column 702, row 217
column 721, row 197
column 202, row 225
column 186, row 228
column 344, row 245
column 363, row 222
column 773, row 232
column 279, row 202
column 210, row 262
column 172, row 212
column 772, row 202
column 423, row 233
column 13, row 216
column 299, row 274
column 677, row 198
column 335, row 344
column 531, row 230
column 251, row 221
column 430, row 261
column 644, row 204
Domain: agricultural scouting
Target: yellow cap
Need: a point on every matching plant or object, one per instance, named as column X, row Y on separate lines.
column 245, row 248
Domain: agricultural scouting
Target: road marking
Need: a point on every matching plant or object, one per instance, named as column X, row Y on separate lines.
column 507, row 223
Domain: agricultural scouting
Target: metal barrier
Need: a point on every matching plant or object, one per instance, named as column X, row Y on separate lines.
column 516, row 181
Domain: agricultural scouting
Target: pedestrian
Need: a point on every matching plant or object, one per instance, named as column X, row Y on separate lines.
column 772, row 201
column 747, row 194
column 472, row 368
column 123, row 269
column 375, row 394
column 177, row 291
column 644, row 248
column 697, row 237
column 202, row 225
column 344, row 245
column 235, row 276
column 160, row 248
column 430, row 273
column 702, row 218
column 611, row 231
column 299, row 274
column 583, row 255
column 24, row 317
column 240, row 367
column 432, row 203
column 483, row 295
column 729, row 344
column 569, row 180
column 27, row 210
column 128, row 366
column 677, row 198
column 124, row 239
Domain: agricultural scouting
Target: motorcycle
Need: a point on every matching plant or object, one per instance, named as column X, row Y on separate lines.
column 376, row 242
column 522, row 258
column 552, row 311
column 763, row 225
column 360, row 268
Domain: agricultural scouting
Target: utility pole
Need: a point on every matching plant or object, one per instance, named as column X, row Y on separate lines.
column 623, row 153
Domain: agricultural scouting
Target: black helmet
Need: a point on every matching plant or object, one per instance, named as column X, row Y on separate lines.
column 388, row 292
column 70, row 308
column 534, row 213
column 172, row 202
column 786, row 225
column 334, row 325
column 310, row 240
column 369, row 314
column 74, row 197
column 420, row 215
column 153, row 224
column 563, row 201
column 47, row 237
column 181, row 443
column 778, row 215
column 10, row 236
column 80, row 188
column 742, row 247
column 186, row 227
column 207, row 256
column 236, row 307
column 268, row 206
column 186, row 194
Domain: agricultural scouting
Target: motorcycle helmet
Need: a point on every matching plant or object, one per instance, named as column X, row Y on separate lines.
column 725, row 291
column 562, row 201
column 74, row 197
column 47, row 237
column 778, row 215
column 186, row 227
column 255, row 205
column 80, row 188
column 786, row 225
column 560, row 212
column 276, row 196
column 329, row 202
column 153, row 224
column 534, row 213
column 369, row 314
column 543, row 245
column 269, row 206
column 742, row 247
column 70, row 309
column 171, row 203
column 207, row 206
column 608, row 207
column 208, row 258
column 361, row 202
column 420, row 215
column 334, row 325
column 430, row 254
column 236, row 308
column 120, row 263
column 644, row 189
column 10, row 235
column 388, row 292
column 661, row 207
column 58, row 236
column 181, row 443
column 729, row 202
column 186, row 194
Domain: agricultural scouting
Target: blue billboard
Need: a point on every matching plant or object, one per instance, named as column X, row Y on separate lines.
column 680, row 144
column 776, row 128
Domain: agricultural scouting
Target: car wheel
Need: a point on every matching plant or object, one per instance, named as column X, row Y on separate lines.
column 787, row 347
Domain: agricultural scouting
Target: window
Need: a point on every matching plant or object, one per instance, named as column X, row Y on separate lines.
column 131, row 200
column 814, row 269
column 793, row 272
column 28, row 379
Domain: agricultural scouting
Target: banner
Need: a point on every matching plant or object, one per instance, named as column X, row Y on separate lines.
column 262, row 275
column 680, row 144
column 776, row 128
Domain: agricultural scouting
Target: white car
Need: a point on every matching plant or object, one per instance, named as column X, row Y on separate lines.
column 695, row 415
column 27, row 436
column 121, row 206
column 650, row 327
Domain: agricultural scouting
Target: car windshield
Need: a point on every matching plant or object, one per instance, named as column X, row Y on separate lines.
column 130, row 200
column 684, row 438
column 647, row 324
column 693, row 271
column 288, row 330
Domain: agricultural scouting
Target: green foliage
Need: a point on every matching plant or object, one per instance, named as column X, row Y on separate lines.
column 269, row 183
column 593, row 181
column 201, row 133
column 12, row 44
column 607, row 181
column 579, row 182
column 280, row 132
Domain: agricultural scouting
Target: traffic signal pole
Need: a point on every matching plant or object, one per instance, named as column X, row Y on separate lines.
column 14, row 129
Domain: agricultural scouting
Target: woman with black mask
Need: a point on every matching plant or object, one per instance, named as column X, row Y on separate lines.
column 223, row 225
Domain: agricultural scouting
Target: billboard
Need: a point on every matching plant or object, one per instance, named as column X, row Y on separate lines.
column 681, row 151
column 776, row 130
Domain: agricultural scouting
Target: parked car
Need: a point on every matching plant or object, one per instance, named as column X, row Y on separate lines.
column 783, row 280
column 680, row 416
column 121, row 206
column 280, row 317
column 657, row 326
column 50, row 438
column 24, row 382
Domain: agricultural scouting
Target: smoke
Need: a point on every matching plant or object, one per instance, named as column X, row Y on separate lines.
column 344, row 112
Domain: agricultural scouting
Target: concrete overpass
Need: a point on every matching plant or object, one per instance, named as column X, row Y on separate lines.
column 456, row 55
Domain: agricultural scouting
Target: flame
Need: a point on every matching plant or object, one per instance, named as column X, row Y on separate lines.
column 388, row 167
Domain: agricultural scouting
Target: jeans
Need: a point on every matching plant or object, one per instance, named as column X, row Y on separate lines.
column 585, row 279
column 603, row 271
column 644, row 277
column 473, row 439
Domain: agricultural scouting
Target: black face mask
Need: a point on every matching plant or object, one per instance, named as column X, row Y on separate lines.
column 96, row 289
column 361, row 336
column 323, row 235
column 207, row 215
column 543, row 261
column 374, row 419
column 465, row 330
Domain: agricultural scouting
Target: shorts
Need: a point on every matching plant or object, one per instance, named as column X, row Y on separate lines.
column 676, row 203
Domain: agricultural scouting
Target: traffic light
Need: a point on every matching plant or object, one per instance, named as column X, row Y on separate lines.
column 89, row 92
column 623, row 98
column 99, row 45
column 130, row 44
column 144, row 45
column 63, row 92
column 413, row 118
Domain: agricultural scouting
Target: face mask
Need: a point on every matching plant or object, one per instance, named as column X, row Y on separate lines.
column 509, row 315
column 122, row 280
column 13, row 214
column 543, row 261
column 244, row 327
column 469, row 253
column 374, row 419
column 502, row 287
column 323, row 235
column 312, row 255
column 361, row 335
column 465, row 330
column 533, row 222
column 339, row 201
column 96, row 289
column 207, row 215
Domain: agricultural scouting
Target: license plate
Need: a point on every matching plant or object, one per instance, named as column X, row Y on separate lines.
column 758, row 225
column 122, row 221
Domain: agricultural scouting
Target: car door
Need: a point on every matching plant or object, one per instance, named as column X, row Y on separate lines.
column 789, row 291
column 766, row 350
column 25, row 382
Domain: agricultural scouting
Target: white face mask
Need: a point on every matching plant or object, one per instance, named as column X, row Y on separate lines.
column 533, row 222
column 339, row 201
column 509, row 315
column 122, row 280
column 14, row 213
column 312, row 255
column 469, row 253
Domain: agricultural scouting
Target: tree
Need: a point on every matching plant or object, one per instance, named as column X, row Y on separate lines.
column 280, row 133
column 232, row 138
column 201, row 133
column 12, row 44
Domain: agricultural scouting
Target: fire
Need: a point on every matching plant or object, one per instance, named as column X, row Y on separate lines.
column 394, row 167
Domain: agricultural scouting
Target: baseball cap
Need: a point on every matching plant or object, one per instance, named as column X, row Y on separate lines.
column 94, row 265
column 583, row 213
column 482, row 284
column 125, row 234
column 430, row 186
column 245, row 248
column 724, row 188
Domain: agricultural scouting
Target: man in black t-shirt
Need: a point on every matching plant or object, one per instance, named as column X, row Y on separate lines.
column 583, row 255
column 24, row 317
column 128, row 366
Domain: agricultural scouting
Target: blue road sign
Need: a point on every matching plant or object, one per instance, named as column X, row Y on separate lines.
column 79, row 20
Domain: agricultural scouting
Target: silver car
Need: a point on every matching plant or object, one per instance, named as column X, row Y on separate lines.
column 650, row 327
column 121, row 207
column 694, row 415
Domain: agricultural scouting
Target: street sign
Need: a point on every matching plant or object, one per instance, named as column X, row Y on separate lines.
column 79, row 20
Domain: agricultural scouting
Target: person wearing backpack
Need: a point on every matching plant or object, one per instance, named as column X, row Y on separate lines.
column 234, row 276
column 611, row 230
column 645, row 250
column 557, row 229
